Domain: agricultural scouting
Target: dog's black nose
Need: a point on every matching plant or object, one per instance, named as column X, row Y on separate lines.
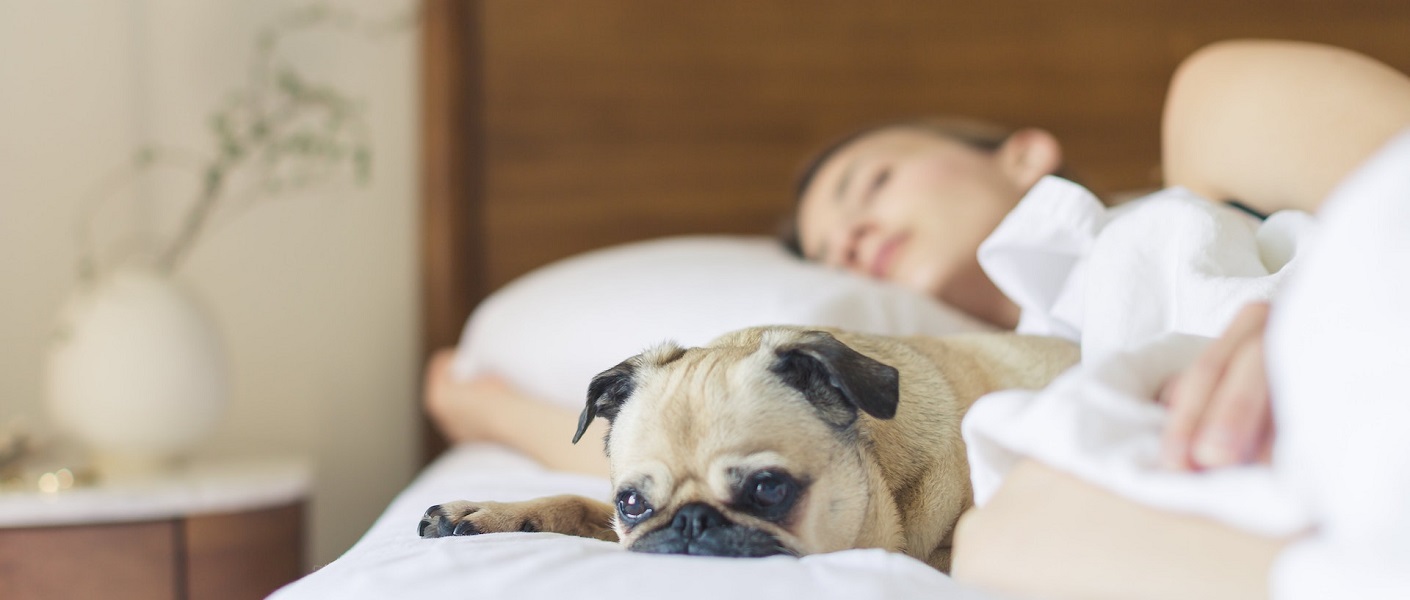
column 693, row 519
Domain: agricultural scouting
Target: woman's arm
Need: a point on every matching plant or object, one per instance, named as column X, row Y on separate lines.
column 1048, row 534
column 488, row 409
column 1277, row 124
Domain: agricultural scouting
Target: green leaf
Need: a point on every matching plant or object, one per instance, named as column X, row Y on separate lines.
column 215, row 177
column 289, row 82
column 145, row 156
column 362, row 165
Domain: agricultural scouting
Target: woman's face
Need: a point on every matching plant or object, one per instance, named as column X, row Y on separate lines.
column 911, row 207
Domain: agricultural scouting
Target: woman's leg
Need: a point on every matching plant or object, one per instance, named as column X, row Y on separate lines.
column 1049, row 534
column 1277, row 124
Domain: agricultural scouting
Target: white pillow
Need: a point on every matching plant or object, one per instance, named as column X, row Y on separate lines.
column 550, row 331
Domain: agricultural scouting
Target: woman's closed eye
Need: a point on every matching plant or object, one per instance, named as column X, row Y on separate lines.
column 878, row 180
column 841, row 247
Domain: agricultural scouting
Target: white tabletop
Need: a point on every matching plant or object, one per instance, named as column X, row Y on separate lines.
column 199, row 488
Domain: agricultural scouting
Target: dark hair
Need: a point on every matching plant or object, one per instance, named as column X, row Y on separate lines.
column 980, row 135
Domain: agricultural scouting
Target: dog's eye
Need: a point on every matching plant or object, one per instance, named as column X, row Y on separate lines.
column 632, row 506
column 770, row 490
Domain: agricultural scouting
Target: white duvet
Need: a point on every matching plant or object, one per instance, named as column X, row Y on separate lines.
column 391, row 561
column 1143, row 288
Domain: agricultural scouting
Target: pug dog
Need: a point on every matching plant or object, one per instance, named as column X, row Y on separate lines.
column 782, row 440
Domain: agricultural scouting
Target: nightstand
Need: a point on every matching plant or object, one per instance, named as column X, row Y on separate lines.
column 204, row 531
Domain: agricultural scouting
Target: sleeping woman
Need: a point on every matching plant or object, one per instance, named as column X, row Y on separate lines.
column 1274, row 125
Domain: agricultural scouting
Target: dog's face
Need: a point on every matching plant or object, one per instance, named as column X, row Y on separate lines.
column 743, row 449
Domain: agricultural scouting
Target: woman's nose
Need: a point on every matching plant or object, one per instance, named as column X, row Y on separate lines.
column 847, row 244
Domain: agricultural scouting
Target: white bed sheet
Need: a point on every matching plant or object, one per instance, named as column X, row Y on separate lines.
column 391, row 561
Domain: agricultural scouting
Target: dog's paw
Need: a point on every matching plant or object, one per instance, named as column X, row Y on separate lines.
column 474, row 518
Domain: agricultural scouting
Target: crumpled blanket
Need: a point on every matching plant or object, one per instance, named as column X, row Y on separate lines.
column 1143, row 288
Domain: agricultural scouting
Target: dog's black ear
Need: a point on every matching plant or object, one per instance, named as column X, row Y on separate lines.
column 838, row 380
column 606, row 394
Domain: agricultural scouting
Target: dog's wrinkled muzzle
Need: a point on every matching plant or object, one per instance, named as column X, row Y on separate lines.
column 699, row 529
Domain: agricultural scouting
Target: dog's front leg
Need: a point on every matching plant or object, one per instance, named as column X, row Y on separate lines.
column 571, row 515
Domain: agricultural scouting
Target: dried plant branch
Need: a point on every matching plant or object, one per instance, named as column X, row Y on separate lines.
column 286, row 131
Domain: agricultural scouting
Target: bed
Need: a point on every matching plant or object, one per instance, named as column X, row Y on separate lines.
column 557, row 127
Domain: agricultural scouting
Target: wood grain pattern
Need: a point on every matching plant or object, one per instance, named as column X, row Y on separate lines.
column 236, row 556
column 243, row 556
column 595, row 122
column 135, row 561
column 452, row 269
column 610, row 121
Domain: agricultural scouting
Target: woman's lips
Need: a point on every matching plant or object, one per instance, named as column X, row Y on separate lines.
column 886, row 256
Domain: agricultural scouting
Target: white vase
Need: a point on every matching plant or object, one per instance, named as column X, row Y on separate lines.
column 136, row 371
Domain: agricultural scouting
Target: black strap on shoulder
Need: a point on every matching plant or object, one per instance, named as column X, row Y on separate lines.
column 1246, row 208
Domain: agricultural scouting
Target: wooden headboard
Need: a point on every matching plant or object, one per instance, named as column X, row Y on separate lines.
column 556, row 126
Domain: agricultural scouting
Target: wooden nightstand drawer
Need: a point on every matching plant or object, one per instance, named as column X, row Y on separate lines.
column 201, row 531
column 129, row 560
column 246, row 555
column 204, row 557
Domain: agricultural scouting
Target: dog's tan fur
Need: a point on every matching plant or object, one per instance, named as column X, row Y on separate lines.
column 697, row 417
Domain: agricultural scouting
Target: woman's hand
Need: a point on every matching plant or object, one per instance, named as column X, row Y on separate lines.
column 1219, row 406
column 462, row 409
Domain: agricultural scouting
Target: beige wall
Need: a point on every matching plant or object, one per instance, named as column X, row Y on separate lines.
column 315, row 293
